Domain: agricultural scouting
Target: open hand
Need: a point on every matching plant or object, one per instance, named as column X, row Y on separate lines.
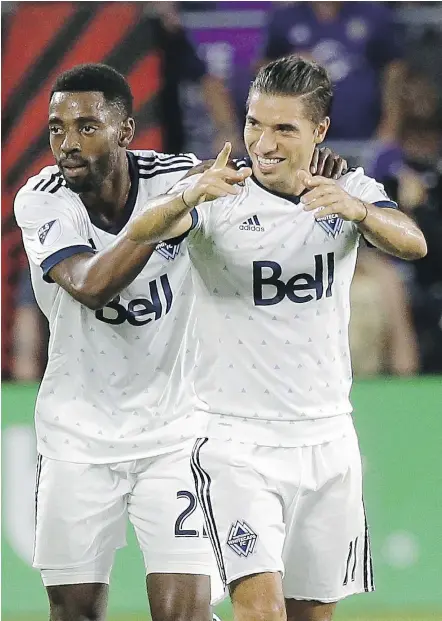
column 219, row 180
column 328, row 198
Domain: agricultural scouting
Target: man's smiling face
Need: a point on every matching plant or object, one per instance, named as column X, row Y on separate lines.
column 280, row 138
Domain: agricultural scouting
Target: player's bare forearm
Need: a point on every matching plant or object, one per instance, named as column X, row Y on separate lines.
column 393, row 232
column 165, row 218
column 199, row 168
column 94, row 280
column 169, row 216
column 388, row 229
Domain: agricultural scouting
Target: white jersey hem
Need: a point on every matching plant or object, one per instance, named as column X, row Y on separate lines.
column 282, row 434
column 328, row 600
column 115, row 459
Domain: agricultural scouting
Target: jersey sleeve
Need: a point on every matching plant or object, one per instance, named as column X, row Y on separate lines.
column 164, row 171
column 204, row 214
column 50, row 230
column 367, row 189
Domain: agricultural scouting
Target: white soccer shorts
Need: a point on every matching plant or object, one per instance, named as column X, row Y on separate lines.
column 82, row 512
column 298, row 511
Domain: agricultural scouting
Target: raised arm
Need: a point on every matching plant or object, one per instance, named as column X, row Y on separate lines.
column 388, row 229
column 169, row 216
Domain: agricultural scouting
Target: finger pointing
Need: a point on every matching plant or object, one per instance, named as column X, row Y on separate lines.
column 223, row 156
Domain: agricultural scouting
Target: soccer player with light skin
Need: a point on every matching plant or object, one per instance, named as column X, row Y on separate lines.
column 278, row 473
column 111, row 420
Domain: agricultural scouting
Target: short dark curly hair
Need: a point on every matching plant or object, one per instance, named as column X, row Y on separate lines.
column 96, row 77
column 297, row 77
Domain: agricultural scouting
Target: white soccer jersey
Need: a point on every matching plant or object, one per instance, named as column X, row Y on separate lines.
column 272, row 307
column 115, row 387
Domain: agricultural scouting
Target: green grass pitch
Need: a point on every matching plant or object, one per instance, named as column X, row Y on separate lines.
column 338, row 617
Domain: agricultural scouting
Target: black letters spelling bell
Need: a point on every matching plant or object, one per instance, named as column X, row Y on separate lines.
column 139, row 311
column 300, row 283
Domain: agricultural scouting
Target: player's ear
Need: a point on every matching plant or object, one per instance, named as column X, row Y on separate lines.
column 127, row 131
column 321, row 130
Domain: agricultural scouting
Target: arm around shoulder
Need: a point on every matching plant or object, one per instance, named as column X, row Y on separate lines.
column 170, row 216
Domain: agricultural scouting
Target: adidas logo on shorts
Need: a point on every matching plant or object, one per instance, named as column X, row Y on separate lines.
column 251, row 224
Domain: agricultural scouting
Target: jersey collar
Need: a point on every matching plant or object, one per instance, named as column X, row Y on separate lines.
column 292, row 198
column 130, row 203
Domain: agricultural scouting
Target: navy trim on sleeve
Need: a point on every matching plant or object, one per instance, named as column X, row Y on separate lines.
column 194, row 215
column 177, row 240
column 382, row 205
column 59, row 256
column 390, row 204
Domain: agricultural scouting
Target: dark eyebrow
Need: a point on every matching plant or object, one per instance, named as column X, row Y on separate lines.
column 287, row 127
column 81, row 120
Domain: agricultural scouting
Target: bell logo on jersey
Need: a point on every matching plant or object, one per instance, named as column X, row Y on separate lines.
column 137, row 310
column 300, row 282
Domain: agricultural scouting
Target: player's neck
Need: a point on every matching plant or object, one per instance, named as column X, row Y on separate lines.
column 291, row 188
column 109, row 201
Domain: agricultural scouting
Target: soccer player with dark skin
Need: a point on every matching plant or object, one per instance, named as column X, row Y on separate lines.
column 89, row 136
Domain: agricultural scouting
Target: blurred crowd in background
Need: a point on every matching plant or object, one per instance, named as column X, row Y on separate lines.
column 385, row 59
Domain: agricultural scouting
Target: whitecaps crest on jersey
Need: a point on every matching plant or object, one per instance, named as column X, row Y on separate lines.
column 168, row 251
column 332, row 224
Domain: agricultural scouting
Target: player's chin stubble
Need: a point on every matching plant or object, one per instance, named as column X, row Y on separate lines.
column 79, row 186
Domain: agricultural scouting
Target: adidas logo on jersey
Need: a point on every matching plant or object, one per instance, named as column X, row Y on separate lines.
column 251, row 224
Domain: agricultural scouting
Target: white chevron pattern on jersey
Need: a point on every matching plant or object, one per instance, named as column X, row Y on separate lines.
column 273, row 310
column 115, row 384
